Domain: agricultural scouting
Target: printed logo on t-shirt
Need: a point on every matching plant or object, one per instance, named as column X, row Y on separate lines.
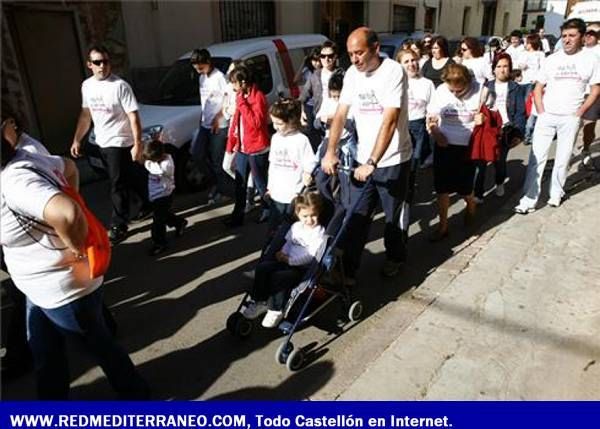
column 368, row 103
column 280, row 158
column 457, row 114
column 414, row 103
column 567, row 72
column 96, row 104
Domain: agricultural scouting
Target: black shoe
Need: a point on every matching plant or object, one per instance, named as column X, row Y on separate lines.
column 179, row 230
column 232, row 222
column 117, row 234
column 143, row 214
column 157, row 249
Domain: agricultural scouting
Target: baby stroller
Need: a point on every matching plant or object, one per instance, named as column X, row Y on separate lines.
column 300, row 306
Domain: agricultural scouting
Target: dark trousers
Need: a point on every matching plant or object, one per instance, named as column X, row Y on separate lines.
column 246, row 164
column 389, row 187
column 162, row 217
column 125, row 176
column 273, row 278
column 420, row 140
column 481, row 168
column 209, row 148
column 83, row 319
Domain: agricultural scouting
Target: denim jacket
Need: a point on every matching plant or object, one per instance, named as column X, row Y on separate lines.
column 515, row 105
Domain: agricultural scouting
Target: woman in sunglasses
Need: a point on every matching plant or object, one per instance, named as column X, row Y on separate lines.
column 317, row 88
column 472, row 58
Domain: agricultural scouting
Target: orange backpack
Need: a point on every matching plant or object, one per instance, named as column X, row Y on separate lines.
column 97, row 244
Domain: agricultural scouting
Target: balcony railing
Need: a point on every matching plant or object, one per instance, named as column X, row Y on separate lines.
column 535, row 5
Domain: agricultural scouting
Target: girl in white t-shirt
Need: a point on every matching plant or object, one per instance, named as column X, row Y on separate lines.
column 291, row 159
column 531, row 60
column 420, row 90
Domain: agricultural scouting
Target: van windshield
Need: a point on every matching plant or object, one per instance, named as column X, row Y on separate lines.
column 179, row 86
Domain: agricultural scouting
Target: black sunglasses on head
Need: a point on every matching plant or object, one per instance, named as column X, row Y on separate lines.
column 100, row 62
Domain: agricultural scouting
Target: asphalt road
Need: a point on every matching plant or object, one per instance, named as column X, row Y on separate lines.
column 172, row 310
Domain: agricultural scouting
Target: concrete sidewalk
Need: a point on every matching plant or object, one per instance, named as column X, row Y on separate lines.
column 516, row 315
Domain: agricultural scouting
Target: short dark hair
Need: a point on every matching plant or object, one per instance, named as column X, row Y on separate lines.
column 534, row 40
column 336, row 81
column 9, row 113
column 372, row 38
column 200, row 56
column 289, row 110
column 516, row 33
column 442, row 43
column 154, row 150
column 503, row 56
column 576, row 23
column 494, row 43
column 328, row 44
column 516, row 73
column 98, row 48
column 242, row 73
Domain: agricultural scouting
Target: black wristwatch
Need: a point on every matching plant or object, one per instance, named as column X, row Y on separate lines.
column 372, row 163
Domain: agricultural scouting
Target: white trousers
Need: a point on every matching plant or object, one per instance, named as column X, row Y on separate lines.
column 547, row 125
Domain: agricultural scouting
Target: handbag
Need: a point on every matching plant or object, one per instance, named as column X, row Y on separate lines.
column 97, row 243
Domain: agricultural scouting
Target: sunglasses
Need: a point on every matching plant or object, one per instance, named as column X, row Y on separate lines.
column 330, row 56
column 100, row 62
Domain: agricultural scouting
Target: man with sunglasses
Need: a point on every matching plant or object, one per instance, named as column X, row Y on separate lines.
column 109, row 102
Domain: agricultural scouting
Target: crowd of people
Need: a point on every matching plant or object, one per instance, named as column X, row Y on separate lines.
column 359, row 135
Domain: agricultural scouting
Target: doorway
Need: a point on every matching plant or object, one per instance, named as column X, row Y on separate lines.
column 338, row 20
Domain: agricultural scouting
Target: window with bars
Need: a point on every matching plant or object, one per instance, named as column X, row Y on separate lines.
column 404, row 19
column 246, row 19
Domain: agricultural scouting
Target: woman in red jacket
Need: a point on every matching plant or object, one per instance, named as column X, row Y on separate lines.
column 249, row 138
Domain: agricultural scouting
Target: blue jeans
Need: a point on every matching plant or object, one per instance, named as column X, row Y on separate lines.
column 246, row 164
column 419, row 138
column 83, row 318
column 209, row 148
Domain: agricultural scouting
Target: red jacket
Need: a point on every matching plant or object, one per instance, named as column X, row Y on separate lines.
column 485, row 140
column 251, row 111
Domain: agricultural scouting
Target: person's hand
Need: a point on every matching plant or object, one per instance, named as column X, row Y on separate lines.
column 329, row 163
column 76, row 151
column 267, row 197
column 136, row 152
column 479, row 119
column 363, row 172
column 282, row 257
column 306, row 179
column 303, row 119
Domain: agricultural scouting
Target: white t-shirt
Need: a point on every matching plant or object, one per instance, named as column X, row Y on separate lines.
column 566, row 78
column 479, row 67
column 213, row 89
column 530, row 62
column 457, row 117
column 161, row 178
column 302, row 243
column 290, row 156
column 515, row 52
column 38, row 262
column 109, row 101
column 325, row 76
column 545, row 45
column 500, row 100
column 328, row 108
column 369, row 94
column 420, row 90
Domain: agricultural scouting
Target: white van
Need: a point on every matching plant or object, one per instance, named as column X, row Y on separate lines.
column 174, row 112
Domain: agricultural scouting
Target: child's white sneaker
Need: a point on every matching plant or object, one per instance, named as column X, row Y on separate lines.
column 272, row 319
column 254, row 309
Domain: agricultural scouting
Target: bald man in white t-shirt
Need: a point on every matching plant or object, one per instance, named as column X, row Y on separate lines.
column 377, row 91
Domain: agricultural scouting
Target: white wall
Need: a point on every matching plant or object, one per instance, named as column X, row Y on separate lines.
column 294, row 17
column 379, row 15
column 159, row 32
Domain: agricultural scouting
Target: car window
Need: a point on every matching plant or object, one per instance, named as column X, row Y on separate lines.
column 179, row 86
column 297, row 56
column 388, row 49
column 262, row 71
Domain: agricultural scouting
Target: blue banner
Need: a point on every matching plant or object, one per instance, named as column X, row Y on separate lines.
column 282, row 415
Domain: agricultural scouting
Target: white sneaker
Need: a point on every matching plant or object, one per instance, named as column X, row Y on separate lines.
column 272, row 319
column 500, row 190
column 254, row 309
column 249, row 274
column 478, row 200
column 523, row 209
column 554, row 202
column 587, row 160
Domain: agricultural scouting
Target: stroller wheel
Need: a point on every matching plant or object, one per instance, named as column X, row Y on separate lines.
column 282, row 353
column 295, row 360
column 238, row 325
column 355, row 311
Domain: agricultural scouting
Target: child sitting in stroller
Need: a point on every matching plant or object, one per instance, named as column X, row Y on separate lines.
column 276, row 275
